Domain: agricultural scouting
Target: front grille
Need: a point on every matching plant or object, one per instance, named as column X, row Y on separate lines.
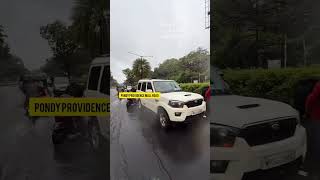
column 269, row 132
column 194, row 103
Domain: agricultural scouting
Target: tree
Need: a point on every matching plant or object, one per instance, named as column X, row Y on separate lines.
column 91, row 25
column 130, row 77
column 113, row 82
column 61, row 42
column 248, row 33
column 169, row 69
column 141, row 68
column 2, row 36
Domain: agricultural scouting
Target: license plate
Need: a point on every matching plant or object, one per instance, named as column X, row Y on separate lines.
column 278, row 159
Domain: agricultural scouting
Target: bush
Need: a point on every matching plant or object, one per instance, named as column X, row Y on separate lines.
column 194, row 87
column 276, row 84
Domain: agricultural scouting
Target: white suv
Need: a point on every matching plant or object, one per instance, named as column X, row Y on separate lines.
column 174, row 105
column 98, row 85
column 250, row 135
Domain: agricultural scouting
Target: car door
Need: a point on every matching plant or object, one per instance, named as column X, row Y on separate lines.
column 104, row 92
column 143, row 89
column 151, row 103
column 93, row 90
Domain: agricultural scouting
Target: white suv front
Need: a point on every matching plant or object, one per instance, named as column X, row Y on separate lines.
column 251, row 135
column 174, row 105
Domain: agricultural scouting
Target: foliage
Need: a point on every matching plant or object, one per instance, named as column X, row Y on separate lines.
column 11, row 67
column 248, row 33
column 113, row 82
column 194, row 87
column 185, row 69
column 141, row 68
column 277, row 84
column 90, row 25
column 130, row 77
column 61, row 42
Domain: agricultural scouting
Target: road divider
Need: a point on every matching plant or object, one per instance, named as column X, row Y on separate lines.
column 69, row 106
column 141, row 95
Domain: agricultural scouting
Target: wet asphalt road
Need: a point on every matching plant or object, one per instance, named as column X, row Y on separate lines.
column 140, row 150
column 27, row 153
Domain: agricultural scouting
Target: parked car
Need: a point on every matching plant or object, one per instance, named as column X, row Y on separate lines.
column 60, row 85
column 252, row 135
column 98, row 85
column 174, row 104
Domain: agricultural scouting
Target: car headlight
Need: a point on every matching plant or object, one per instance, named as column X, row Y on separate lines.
column 176, row 104
column 223, row 136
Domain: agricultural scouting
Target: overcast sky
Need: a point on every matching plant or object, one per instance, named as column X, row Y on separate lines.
column 22, row 20
column 162, row 29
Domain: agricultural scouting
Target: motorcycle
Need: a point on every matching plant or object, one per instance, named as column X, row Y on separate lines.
column 65, row 128
column 131, row 102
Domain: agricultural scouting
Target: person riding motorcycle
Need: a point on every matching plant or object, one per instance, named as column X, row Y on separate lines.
column 131, row 101
column 65, row 126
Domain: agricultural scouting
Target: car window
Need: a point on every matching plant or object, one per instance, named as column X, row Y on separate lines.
column 143, row 88
column 105, row 83
column 139, row 86
column 94, row 78
column 166, row 86
column 149, row 86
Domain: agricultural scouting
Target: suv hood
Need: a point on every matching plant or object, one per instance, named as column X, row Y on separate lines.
column 181, row 96
column 237, row 111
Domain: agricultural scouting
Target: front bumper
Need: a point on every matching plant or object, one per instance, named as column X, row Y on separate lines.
column 244, row 159
column 185, row 112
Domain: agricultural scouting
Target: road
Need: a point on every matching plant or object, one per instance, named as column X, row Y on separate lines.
column 141, row 150
column 27, row 153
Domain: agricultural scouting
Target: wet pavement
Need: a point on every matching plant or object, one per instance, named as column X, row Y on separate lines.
column 27, row 153
column 141, row 150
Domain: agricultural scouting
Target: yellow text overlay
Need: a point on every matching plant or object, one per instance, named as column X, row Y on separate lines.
column 133, row 95
column 69, row 106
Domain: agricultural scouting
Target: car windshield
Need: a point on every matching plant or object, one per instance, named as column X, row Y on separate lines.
column 61, row 80
column 219, row 86
column 166, row 86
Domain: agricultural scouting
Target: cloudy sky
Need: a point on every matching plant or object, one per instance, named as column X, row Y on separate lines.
column 22, row 20
column 162, row 29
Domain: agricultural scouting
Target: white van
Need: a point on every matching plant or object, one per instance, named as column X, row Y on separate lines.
column 98, row 85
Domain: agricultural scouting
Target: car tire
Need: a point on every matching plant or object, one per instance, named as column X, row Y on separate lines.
column 94, row 134
column 164, row 119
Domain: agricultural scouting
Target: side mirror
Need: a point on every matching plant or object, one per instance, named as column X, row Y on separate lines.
column 149, row 91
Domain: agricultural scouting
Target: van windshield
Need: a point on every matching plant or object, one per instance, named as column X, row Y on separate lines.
column 166, row 86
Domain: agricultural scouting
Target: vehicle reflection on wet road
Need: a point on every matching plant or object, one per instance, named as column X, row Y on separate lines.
column 140, row 149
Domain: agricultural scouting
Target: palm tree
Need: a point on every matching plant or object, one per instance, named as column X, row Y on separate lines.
column 91, row 25
column 141, row 68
